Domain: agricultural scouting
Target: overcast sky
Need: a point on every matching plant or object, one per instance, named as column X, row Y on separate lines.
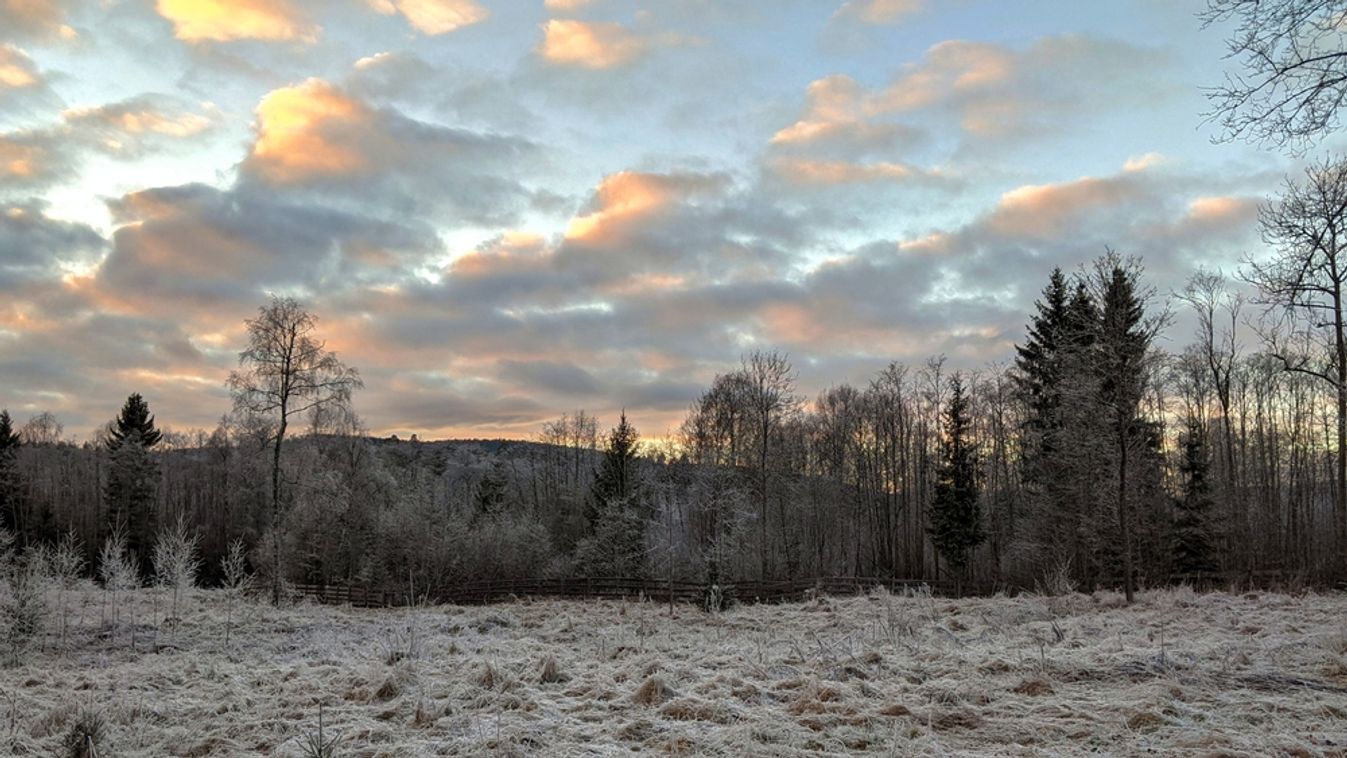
column 501, row 211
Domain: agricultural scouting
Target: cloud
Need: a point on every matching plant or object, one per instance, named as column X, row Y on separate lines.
column 566, row 5
column 879, row 11
column 550, row 376
column 37, row 246
column 991, row 92
column 598, row 45
column 314, row 136
column 815, row 172
column 20, row 19
column 434, row 17
column 231, row 20
column 198, row 244
column 34, row 159
column 129, row 128
column 17, row 70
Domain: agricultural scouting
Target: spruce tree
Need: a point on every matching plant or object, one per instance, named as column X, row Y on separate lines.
column 1037, row 361
column 615, row 511
column 131, row 489
column 616, row 476
column 1124, row 337
column 956, row 517
column 9, row 474
column 135, row 419
column 1192, row 548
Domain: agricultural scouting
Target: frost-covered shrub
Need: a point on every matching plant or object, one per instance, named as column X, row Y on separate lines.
column 117, row 570
column 23, row 607
column 66, row 564
column 175, row 560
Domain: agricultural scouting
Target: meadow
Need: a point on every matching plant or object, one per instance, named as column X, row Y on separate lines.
column 1177, row 673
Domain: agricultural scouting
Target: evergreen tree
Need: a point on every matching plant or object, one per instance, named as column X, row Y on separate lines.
column 9, row 474
column 1037, row 361
column 135, row 419
column 1124, row 337
column 615, row 480
column 492, row 490
column 130, row 494
column 131, row 490
column 1192, row 530
column 1055, row 379
column 615, row 510
column 956, row 518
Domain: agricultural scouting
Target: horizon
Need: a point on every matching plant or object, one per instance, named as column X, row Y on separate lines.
column 503, row 212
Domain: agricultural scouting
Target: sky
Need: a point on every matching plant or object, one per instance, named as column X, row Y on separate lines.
column 503, row 211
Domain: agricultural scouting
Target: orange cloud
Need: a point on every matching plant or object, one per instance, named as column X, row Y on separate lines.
column 879, row 11
column 630, row 196
column 132, row 120
column 434, row 17
column 1043, row 210
column 565, row 5
column 597, row 45
column 20, row 161
column 35, row 17
column 227, row 20
column 804, row 171
column 833, row 101
column 16, row 68
column 298, row 133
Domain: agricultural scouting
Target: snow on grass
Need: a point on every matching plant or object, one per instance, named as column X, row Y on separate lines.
column 1217, row 674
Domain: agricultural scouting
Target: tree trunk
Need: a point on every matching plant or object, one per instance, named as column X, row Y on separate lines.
column 1340, row 493
column 1123, row 522
column 276, row 512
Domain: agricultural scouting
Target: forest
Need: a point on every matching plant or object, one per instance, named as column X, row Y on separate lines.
column 1096, row 458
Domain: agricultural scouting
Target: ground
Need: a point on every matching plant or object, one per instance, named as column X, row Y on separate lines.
column 1178, row 673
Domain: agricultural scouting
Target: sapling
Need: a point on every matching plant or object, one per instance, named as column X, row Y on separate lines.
column 175, row 562
column 67, row 564
column 117, row 571
column 237, row 580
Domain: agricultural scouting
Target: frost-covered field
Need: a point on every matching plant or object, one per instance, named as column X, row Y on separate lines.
column 1178, row 673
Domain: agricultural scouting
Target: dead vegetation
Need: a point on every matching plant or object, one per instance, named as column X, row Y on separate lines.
column 1178, row 673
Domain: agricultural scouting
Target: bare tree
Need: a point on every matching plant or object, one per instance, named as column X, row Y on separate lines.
column 771, row 399
column 1304, row 284
column 1217, row 310
column 286, row 371
column 1294, row 83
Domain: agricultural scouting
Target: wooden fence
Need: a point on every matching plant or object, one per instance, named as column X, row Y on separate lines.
column 656, row 590
column 695, row 593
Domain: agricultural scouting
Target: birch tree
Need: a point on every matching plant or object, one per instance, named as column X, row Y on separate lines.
column 286, row 371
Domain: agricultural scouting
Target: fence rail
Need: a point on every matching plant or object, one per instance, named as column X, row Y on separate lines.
column 684, row 592
column 657, row 590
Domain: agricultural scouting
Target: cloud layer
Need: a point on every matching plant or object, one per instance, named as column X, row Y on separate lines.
column 502, row 213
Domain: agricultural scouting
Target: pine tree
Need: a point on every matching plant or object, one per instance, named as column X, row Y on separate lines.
column 135, row 419
column 1192, row 548
column 9, row 474
column 956, row 518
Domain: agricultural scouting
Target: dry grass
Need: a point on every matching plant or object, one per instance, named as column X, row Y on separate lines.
column 1178, row 673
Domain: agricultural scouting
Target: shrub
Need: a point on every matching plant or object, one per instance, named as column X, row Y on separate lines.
column 24, row 610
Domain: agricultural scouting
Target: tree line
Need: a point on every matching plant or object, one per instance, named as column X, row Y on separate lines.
column 1095, row 458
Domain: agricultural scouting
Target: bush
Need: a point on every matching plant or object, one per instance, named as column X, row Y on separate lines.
column 24, row 610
